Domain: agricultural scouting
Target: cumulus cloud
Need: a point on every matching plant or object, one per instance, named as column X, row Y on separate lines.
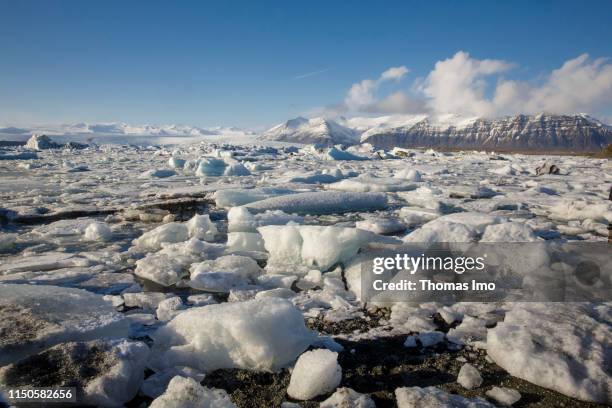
column 469, row 86
column 458, row 85
column 361, row 97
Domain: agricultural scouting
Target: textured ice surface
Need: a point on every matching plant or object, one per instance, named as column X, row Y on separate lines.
column 224, row 273
column 168, row 233
column 322, row 202
column 235, row 197
column 263, row 334
column 313, row 246
column 504, row 396
column 33, row 318
column 48, row 202
column 240, row 219
column 185, row 392
column 156, row 384
column 366, row 184
column 348, row 398
column 469, row 377
column 565, row 348
column 105, row 373
column 316, row 372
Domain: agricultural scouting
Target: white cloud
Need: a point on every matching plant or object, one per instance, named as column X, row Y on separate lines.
column 394, row 74
column 580, row 85
column 361, row 96
column 478, row 87
column 458, row 85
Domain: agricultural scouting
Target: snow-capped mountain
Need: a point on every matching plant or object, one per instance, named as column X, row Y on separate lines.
column 317, row 130
column 121, row 133
column 539, row 132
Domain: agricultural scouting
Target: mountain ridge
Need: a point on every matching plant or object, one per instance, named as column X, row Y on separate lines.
column 578, row 132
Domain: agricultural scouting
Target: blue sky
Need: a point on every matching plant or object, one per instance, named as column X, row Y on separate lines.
column 248, row 63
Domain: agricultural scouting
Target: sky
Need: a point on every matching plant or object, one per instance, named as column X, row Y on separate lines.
column 257, row 63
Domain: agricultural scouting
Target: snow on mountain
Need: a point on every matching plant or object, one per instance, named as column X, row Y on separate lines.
column 123, row 133
column 317, row 130
column 538, row 132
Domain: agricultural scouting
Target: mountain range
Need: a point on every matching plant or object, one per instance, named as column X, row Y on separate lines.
column 548, row 132
column 529, row 132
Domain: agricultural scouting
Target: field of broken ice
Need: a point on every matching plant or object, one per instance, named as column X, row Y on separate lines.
column 217, row 275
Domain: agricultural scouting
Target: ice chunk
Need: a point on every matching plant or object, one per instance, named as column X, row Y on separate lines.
column 322, row 202
column 316, row 372
column 508, row 232
column 98, row 231
column 166, row 233
column 224, row 273
column 416, row 216
column 474, row 192
column 235, row 197
column 314, row 246
column 429, row 339
column 210, row 167
column 282, row 293
column 348, row 398
column 33, row 318
column 567, row 210
column 41, row 142
column 561, row 346
column 469, row 377
column 458, row 227
column 188, row 393
column 504, row 171
column 432, row 397
column 442, row 232
column 145, row 300
column 158, row 173
column 201, row 227
column 263, row 334
column 245, row 241
column 381, row 225
column 156, row 384
column 470, row 331
column 504, row 396
column 240, row 219
column 169, row 265
column 364, row 184
column 235, row 168
column 167, row 309
column 105, row 373
column 176, row 163
column 45, row 262
column 334, row 153
column 409, row 175
column 425, row 197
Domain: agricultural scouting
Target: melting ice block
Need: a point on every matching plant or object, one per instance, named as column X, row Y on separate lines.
column 314, row 246
column 33, row 318
column 316, row 372
column 428, row 397
column 263, row 334
column 188, row 393
column 105, row 373
column 561, row 346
